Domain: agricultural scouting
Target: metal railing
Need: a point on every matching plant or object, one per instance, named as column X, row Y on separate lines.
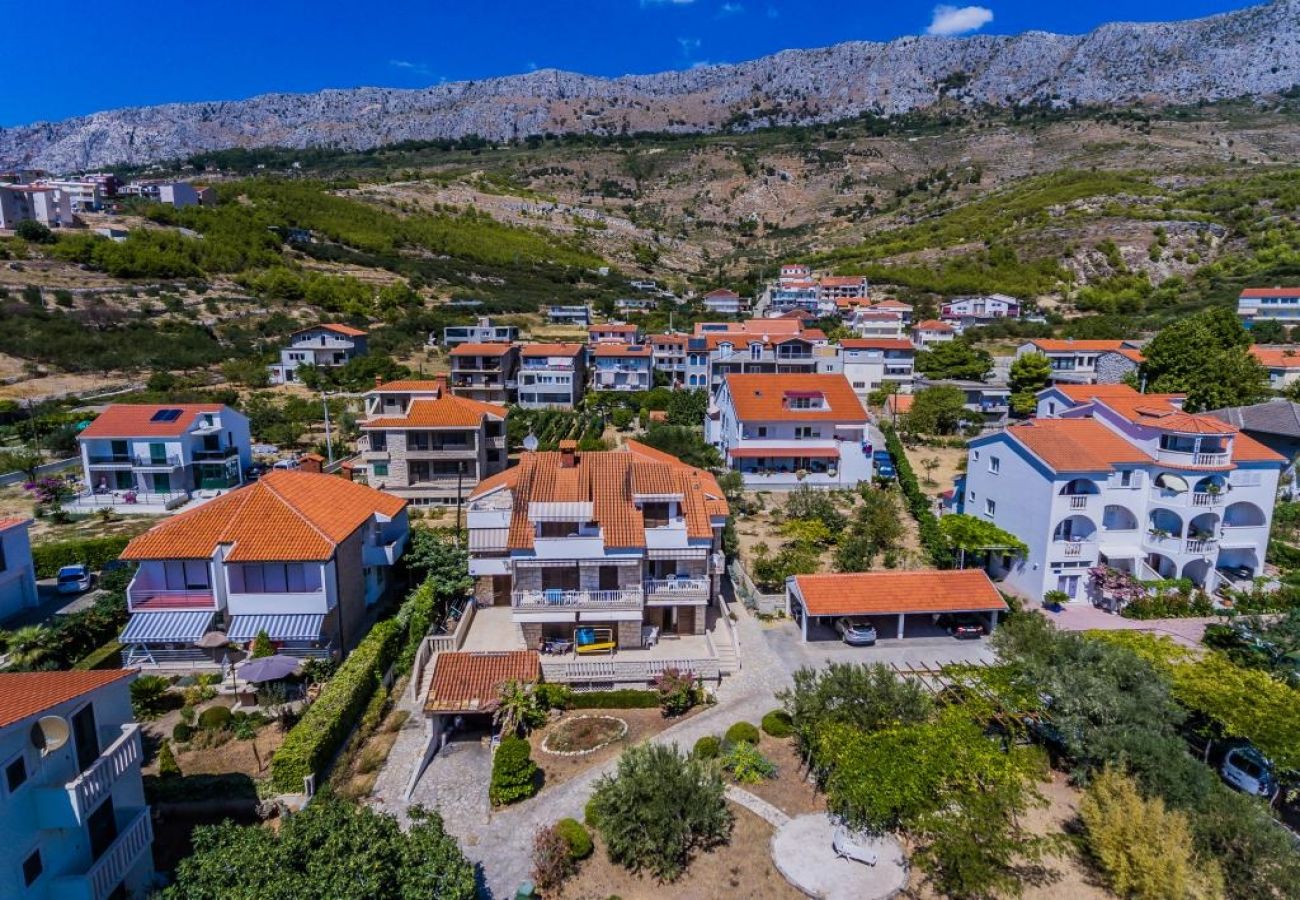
column 1201, row 545
column 109, row 870
column 143, row 598
column 627, row 670
column 118, row 758
column 669, row 586
column 218, row 454
column 169, row 461
column 629, row 598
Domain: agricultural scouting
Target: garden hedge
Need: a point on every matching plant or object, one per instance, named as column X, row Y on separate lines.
column 626, row 698
column 107, row 656
column 917, row 503
column 514, row 774
column 48, row 558
column 778, row 724
column 320, row 732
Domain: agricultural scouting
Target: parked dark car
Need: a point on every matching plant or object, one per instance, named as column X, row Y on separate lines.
column 884, row 464
column 962, row 625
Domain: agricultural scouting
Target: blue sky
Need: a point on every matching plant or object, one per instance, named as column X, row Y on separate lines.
column 156, row 52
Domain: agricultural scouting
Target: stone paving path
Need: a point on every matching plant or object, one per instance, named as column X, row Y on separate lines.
column 757, row 805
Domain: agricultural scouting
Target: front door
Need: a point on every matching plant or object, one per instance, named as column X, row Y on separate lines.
column 162, row 482
column 1069, row 584
column 123, row 480
column 670, row 620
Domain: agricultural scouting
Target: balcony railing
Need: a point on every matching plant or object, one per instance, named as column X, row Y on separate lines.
column 621, row 670
column 665, row 588
column 1190, row 458
column 158, row 462
column 69, row 805
column 1079, row 501
column 107, row 872
column 1201, row 545
column 552, row 598
column 140, row 599
column 1072, row 549
column 218, row 454
column 110, row 459
column 1205, row 498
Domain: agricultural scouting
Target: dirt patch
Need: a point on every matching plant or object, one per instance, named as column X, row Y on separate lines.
column 741, row 868
column 938, row 480
column 641, row 724
column 14, row 501
column 583, row 734
column 788, row 791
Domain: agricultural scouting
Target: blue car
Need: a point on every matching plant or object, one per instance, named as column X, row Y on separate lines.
column 884, row 464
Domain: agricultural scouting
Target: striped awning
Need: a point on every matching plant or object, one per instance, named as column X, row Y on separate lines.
column 284, row 627
column 678, row 553
column 483, row 539
column 175, row 627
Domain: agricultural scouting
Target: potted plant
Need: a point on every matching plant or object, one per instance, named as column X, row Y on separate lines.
column 1053, row 600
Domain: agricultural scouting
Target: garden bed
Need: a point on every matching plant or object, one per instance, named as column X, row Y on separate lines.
column 641, row 724
column 580, row 735
column 788, row 791
column 741, row 868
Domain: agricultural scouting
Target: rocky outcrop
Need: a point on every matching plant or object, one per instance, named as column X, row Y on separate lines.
column 1255, row 51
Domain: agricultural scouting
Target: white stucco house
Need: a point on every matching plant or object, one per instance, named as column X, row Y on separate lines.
column 783, row 431
column 17, row 574
column 1110, row 477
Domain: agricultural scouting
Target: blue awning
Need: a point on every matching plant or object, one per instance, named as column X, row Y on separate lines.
column 166, row 627
column 287, row 627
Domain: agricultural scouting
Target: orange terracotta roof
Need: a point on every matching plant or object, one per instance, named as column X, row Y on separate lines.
column 721, row 294
column 879, row 593
column 1056, row 345
column 850, row 302
column 447, row 411
column 763, row 398
column 617, row 327
column 877, row 344
column 13, row 522
column 125, row 420
column 1271, row 292
column 283, row 516
column 932, row 325
column 27, row 694
column 899, row 403
column 883, row 315
column 1246, row 449
column 471, row 681
column 410, row 386
column 842, row 280
column 801, row 314
column 337, row 328
column 552, row 349
column 1130, row 353
column 891, row 303
column 613, row 350
column 1075, row 445
column 667, row 339
column 492, row 348
column 1277, row 357
column 1156, row 412
column 1082, row 393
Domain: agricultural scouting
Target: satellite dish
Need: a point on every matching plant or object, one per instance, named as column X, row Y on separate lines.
column 50, row 733
column 531, row 442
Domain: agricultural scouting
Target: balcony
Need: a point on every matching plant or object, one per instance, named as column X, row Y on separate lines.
column 148, row 599
column 674, row 590
column 256, row 603
column 572, row 547
column 1190, row 458
column 158, row 462
column 554, row 598
column 1205, row 498
column 111, row 459
column 1201, row 545
column 1074, row 549
column 215, row 455
column 383, row 554
column 442, row 451
column 1079, row 501
column 69, row 805
column 106, row 873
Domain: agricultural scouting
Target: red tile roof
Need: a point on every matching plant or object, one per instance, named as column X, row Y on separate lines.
column 612, row 350
column 446, row 411
column 284, row 516
column 471, row 681
column 877, row 344
column 553, row 349
column 1277, row 357
column 410, row 386
column 763, row 398
column 27, row 694
column 617, row 327
column 127, row 420
column 842, row 280
column 345, row 330
column 880, row 593
column 1251, row 293
column 13, row 522
column 722, row 294
column 891, row 303
column 493, row 348
column 1082, row 393
column 1057, row 345
column 1156, row 412
column 932, row 325
column 1075, row 445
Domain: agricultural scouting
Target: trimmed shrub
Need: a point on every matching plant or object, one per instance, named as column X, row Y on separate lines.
column 778, row 724
column 707, row 747
column 742, row 732
column 676, row 690
column 554, row 696
column 746, row 765
column 48, row 558
column 216, row 718
column 578, row 837
column 589, row 813
column 311, row 743
column 182, row 732
column 167, row 765
column 553, row 862
column 514, row 774
column 627, row 698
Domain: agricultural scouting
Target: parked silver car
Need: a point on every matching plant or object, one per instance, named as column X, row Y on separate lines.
column 856, row 632
column 1249, row 771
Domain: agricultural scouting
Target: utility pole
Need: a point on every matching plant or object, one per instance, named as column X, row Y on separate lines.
column 460, row 480
column 329, row 442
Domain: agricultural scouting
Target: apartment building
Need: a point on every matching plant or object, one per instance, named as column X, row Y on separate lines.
column 26, row 202
column 980, row 310
column 870, row 323
column 569, row 315
column 325, row 346
column 83, row 196
column 722, row 301
column 783, row 431
column 870, row 363
column 670, row 357
column 889, row 304
column 481, row 332
column 74, row 823
column 488, row 372
column 622, row 367
column 180, row 193
column 421, row 442
column 613, row 332
column 624, row 545
column 299, row 555
column 1084, row 361
column 837, row 287
column 764, row 346
column 932, row 331
column 1106, row 476
column 1269, row 304
column 17, row 573
column 795, row 293
column 155, row 455
column 1282, row 364
column 552, row 376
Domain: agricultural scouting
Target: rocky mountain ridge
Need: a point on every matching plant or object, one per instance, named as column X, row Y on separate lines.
column 1250, row 52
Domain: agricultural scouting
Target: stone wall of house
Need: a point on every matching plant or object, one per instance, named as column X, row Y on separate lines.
column 1112, row 367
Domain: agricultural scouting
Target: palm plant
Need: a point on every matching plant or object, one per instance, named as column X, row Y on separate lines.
column 517, row 709
column 27, row 646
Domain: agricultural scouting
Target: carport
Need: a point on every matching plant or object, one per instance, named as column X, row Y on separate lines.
column 816, row 600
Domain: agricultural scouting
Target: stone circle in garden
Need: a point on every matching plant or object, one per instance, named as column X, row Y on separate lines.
column 583, row 734
column 803, row 852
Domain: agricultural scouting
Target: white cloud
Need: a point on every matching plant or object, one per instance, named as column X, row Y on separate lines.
column 407, row 66
column 688, row 45
column 730, row 9
column 950, row 20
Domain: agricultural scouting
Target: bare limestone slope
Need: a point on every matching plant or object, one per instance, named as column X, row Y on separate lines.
column 1250, row 52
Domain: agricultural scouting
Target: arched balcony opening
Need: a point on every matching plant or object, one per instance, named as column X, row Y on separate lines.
column 1198, row 572
column 1243, row 515
column 1238, row 566
column 1161, row 565
column 1079, row 487
column 1203, row 527
column 1118, row 518
column 1164, row 523
column 1074, row 529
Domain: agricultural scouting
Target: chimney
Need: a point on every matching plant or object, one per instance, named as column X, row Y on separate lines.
column 379, row 379
column 311, row 462
column 568, row 454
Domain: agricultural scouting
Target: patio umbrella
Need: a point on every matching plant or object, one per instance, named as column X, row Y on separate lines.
column 269, row 668
column 212, row 640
